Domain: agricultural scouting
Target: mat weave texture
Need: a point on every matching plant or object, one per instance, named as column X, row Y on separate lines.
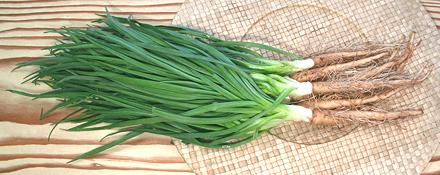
column 310, row 27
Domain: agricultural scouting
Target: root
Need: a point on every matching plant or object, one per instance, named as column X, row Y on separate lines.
column 338, row 57
column 332, row 104
column 338, row 87
column 358, row 79
column 334, row 117
column 370, row 73
column 318, row 73
column 395, row 64
column 408, row 52
column 366, row 86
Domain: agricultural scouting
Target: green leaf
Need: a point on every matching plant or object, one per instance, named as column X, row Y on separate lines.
column 107, row 146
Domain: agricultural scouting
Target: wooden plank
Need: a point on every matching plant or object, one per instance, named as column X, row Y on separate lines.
column 430, row 2
column 124, row 9
column 145, row 153
column 435, row 16
column 25, row 134
column 21, row 52
column 18, row 108
column 45, row 3
column 433, row 9
column 66, row 171
column 82, row 16
column 41, row 42
column 433, row 167
column 93, row 164
column 56, row 23
column 26, row 31
column 431, row 5
column 24, row 148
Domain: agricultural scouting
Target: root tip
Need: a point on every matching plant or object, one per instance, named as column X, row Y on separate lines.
column 421, row 111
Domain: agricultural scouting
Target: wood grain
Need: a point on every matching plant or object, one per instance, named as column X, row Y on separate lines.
column 24, row 148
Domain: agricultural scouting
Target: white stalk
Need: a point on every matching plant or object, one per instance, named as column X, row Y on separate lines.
column 299, row 113
column 300, row 88
column 303, row 64
column 289, row 113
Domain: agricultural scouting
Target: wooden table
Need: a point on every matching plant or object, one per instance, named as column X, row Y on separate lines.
column 24, row 148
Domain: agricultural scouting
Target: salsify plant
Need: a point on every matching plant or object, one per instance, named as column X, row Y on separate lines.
column 190, row 85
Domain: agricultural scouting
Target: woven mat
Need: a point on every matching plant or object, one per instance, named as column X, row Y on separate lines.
column 313, row 26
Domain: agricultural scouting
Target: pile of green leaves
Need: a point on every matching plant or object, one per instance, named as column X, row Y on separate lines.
column 166, row 80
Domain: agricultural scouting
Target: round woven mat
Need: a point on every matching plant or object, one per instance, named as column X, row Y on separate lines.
column 309, row 27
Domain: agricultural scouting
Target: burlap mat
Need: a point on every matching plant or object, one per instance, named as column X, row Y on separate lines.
column 309, row 27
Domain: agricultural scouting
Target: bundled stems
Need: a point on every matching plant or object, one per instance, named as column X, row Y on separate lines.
column 190, row 85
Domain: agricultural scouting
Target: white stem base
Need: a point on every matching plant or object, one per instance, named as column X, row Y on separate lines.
column 300, row 88
column 303, row 64
column 299, row 113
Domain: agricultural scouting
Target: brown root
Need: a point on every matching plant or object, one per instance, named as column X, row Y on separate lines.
column 366, row 86
column 408, row 52
column 334, row 117
column 397, row 64
column 338, row 57
column 338, row 87
column 400, row 54
column 317, row 73
column 350, row 82
column 333, row 104
column 370, row 73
